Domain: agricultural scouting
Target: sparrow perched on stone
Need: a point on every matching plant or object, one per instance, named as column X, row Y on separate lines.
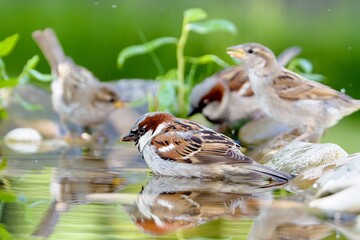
column 178, row 147
column 77, row 95
column 227, row 97
column 288, row 97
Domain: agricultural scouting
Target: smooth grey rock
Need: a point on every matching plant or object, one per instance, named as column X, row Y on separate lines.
column 339, row 189
column 298, row 157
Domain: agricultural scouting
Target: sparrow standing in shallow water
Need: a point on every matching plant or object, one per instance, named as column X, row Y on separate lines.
column 77, row 95
column 227, row 97
column 288, row 97
column 178, row 147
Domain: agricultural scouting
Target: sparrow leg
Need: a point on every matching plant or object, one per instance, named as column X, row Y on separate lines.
column 305, row 136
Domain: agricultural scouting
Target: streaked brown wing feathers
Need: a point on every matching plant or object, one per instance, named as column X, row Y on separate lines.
column 291, row 86
column 196, row 145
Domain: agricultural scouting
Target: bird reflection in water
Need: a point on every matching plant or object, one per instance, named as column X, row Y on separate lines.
column 167, row 204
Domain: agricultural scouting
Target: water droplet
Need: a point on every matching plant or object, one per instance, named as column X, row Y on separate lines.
column 343, row 90
column 96, row 3
column 349, row 48
column 329, row 10
column 114, row 6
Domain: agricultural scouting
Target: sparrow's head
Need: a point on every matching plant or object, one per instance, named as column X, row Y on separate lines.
column 106, row 99
column 147, row 126
column 253, row 55
column 209, row 92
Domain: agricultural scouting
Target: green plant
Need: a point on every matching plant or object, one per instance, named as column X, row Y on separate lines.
column 7, row 83
column 176, row 83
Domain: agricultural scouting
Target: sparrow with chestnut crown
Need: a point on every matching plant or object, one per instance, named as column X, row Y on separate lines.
column 227, row 97
column 176, row 147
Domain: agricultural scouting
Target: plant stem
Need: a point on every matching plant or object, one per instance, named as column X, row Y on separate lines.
column 181, row 66
column 153, row 56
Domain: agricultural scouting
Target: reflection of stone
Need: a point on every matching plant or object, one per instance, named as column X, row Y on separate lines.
column 166, row 204
column 287, row 220
column 339, row 189
column 298, row 157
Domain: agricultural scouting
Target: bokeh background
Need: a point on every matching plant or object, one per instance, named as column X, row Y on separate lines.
column 94, row 32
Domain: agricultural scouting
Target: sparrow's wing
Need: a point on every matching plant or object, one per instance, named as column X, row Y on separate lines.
column 291, row 86
column 287, row 55
column 195, row 144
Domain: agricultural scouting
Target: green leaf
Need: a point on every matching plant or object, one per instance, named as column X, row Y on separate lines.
column 206, row 59
column 30, row 64
column 195, row 14
column 313, row 76
column 143, row 49
column 213, row 25
column 8, row 44
column 167, row 96
column 40, row 76
column 26, row 105
column 300, row 65
column 4, row 234
column 6, row 196
column 3, row 114
column 3, row 74
column 11, row 82
column 3, row 164
column 170, row 74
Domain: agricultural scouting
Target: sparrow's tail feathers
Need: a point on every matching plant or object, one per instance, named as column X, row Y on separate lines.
column 288, row 54
column 50, row 46
column 274, row 174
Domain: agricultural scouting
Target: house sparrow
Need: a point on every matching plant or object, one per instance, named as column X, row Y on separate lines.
column 77, row 95
column 288, row 97
column 227, row 97
column 178, row 147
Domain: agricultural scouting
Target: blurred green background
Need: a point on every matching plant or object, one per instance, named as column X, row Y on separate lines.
column 94, row 32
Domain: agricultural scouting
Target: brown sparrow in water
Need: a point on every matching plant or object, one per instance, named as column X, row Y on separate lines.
column 288, row 97
column 178, row 147
column 77, row 95
column 227, row 97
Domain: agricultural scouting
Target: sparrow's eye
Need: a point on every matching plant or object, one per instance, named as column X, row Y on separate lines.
column 112, row 100
column 142, row 130
column 250, row 50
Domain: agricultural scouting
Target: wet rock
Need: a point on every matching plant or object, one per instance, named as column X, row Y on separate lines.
column 26, row 140
column 339, row 189
column 298, row 157
column 307, row 178
column 273, row 143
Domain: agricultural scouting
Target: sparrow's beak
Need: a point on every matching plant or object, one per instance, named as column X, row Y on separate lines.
column 193, row 111
column 235, row 52
column 119, row 104
column 129, row 137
